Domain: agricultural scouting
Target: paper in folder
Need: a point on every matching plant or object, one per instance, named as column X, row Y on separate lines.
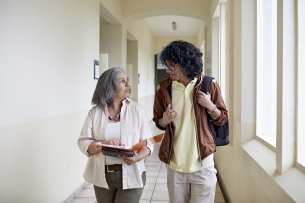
column 113, row 150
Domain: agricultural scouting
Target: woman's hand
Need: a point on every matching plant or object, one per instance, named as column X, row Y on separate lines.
column 94, row 147
column 131, row 160
column 138, row 156
column 114, row 141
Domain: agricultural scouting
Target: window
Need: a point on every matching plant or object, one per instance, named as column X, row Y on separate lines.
column 301, row 82
column 223, row 50
column 266, row 70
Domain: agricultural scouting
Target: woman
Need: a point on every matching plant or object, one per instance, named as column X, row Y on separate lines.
column 115, row 120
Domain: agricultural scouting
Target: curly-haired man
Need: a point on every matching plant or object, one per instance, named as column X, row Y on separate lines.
column 180, row 109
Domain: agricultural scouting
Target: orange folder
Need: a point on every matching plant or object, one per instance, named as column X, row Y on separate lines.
column 139, row 145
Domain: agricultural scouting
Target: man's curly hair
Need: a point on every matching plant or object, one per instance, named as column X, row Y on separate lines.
column 185, row 54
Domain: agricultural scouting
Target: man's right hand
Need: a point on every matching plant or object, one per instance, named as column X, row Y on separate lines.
column 168, row 116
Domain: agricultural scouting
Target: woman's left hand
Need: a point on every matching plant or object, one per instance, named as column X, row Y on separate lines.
column 131, row 160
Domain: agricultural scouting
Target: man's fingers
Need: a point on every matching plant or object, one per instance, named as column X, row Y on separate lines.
column 168, row 107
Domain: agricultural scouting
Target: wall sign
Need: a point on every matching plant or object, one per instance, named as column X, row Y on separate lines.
column 96, row 70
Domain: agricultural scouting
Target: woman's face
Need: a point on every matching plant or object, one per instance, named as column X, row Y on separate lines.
column 124, row 89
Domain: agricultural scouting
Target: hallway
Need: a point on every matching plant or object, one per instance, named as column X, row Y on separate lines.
column 49, row 56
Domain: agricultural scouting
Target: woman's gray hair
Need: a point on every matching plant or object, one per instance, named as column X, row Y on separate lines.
column 106, row 86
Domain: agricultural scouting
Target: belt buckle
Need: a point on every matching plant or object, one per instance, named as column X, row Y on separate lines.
column 108, row 169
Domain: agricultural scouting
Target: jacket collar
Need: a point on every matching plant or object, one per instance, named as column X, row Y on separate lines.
column 168, row 84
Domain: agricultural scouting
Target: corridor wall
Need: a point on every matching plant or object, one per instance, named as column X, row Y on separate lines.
column 46, row 84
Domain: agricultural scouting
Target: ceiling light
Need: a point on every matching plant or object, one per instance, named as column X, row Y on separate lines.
column 174, row 25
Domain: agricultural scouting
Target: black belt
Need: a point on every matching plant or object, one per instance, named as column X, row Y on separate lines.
column 115, row 167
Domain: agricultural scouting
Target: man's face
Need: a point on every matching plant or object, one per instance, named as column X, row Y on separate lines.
column 174, row 70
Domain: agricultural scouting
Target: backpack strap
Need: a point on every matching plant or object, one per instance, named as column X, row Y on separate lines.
column 206, row 83
column 220, row 133
column 204, row 88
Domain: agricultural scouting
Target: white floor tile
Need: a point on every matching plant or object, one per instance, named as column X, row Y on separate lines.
column 89, row 185
column 149, row 186
column 146, row 195
column 163, row 174
column 86, row 192
column 144, row 201
column 152, row 173
column 151, row 158
column 151, row 179
column 160, row 195
column 152, row 163
column 161, row 187
column 162, row 180
column 152, row 168
column 83, row 200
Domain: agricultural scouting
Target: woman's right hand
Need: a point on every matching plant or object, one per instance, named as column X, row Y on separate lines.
column 114, row 141
column 94, row 147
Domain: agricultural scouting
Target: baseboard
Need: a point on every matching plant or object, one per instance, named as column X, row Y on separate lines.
column 75, row 192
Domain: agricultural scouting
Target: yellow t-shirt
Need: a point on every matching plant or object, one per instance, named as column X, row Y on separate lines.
column 185, row 155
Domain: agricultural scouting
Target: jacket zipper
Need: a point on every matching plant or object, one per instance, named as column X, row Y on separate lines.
column 197, row 139
column 170, row 152
column 172, row 134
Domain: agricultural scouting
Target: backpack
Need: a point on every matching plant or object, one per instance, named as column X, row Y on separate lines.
column 220, row 133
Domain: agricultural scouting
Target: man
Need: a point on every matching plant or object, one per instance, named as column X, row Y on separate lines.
column 180, row 109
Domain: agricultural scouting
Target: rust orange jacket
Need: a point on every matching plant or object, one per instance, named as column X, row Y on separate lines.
column 205, row 140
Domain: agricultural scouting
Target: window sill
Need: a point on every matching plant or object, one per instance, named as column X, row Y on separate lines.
column 260, row 161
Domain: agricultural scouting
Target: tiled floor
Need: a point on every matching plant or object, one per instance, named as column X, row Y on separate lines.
column 155, row 190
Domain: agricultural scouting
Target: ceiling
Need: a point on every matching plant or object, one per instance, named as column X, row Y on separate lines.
column 162, row 25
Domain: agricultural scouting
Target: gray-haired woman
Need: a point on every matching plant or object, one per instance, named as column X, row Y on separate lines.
column 115, row 120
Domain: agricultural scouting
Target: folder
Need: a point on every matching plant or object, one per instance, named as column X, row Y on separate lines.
column 113, row 150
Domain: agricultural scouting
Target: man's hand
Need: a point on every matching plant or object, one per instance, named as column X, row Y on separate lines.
column 168, row 116
column 205, row 100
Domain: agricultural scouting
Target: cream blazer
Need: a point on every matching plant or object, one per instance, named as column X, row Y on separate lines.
column 134, row 128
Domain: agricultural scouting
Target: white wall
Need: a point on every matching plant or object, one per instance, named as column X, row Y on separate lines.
column 143, row 35
column 161, row 42
column 132, row 70
column 201, row 36
column 111, row 42
column 46, row 84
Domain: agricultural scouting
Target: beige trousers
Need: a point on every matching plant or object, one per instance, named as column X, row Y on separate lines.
column 197, row 187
